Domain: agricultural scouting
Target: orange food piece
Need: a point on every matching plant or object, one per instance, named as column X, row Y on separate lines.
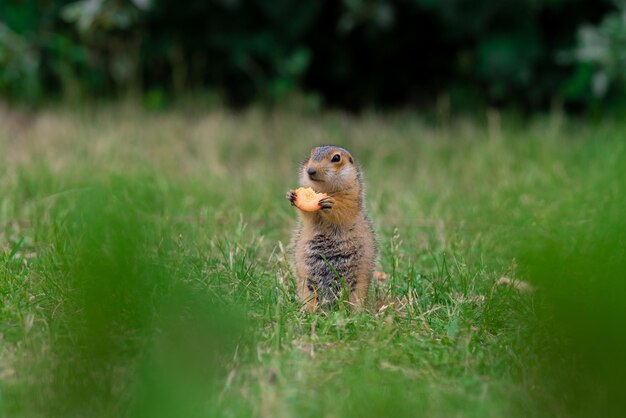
column 308, row 200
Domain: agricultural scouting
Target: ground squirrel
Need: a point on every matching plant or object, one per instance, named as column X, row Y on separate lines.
column 334, row 246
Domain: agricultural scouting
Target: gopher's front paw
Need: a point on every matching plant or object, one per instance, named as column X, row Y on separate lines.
column 291, row 197
column 327, row 203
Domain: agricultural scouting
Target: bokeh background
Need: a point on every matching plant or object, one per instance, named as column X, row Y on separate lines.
column 145, row 150
column 530, row 54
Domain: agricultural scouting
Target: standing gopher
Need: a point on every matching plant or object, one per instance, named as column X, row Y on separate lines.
column 334, row 246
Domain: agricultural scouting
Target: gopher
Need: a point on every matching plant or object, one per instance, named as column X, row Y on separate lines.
column 334, row 247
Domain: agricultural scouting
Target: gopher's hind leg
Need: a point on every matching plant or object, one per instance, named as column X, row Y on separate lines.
column 308, row 297
column 358, row 295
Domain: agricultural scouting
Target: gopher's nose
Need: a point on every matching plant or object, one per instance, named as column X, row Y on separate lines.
column 311, row 171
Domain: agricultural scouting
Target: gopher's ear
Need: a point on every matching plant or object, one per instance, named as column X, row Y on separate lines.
column 351, row 160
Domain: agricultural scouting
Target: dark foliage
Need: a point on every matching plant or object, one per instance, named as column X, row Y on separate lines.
column 350, row 53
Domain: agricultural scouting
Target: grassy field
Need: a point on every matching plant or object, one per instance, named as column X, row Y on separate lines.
column 144, row 272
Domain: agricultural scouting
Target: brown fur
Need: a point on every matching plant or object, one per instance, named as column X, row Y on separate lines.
column 334, row 246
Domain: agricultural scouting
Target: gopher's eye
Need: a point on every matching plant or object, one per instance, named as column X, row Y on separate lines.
column 336, row 158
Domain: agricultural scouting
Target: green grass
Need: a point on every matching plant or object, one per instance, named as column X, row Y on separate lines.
column 143, row 267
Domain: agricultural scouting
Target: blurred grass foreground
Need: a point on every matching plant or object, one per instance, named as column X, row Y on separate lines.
column 143, row 267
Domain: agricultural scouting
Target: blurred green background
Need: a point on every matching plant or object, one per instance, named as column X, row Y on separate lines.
column 529, row 54
column 145, row 149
